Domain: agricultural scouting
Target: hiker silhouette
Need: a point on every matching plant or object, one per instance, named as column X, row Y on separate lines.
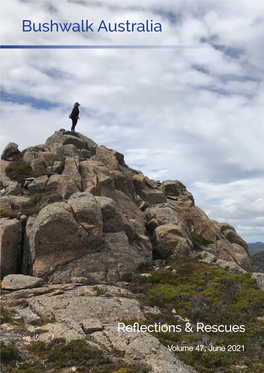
column 74, row 116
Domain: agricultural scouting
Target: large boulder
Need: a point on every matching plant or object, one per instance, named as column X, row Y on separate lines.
column 48, row 158
column 71, row 170
column 62, row 137
column 52, row 183
column 10, row 245
column 63, row 232
column 18, row 282
column 148, row 190
column 123, row 181
column 97, row 179
column 66, row 186
column 107, row 157
column 38, row 185
column 173, row 187
column 115, row 260
column 163, row 213
column 13, row 189
column 120, row 173
column 117, row 253
column 19, row 202
column 173, row 239
column 11, row 152
column 38, row 166
column 113, row 219
column 128, row 208
column 5, row 204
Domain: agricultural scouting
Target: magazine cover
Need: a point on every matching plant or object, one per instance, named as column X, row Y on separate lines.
column 132, row 189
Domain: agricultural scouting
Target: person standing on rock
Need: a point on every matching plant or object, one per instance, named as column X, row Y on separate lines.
column 74, row 115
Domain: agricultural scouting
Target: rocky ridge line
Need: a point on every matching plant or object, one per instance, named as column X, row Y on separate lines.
column 100, row 218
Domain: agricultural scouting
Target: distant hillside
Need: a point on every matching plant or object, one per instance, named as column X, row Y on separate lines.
column 255, row 248
column 258, row 262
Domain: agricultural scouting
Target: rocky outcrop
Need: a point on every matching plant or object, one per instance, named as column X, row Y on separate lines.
column 88, row 214
column 38, row 185
column 81, row 145
column 63, row 232
column 223, row 239
column 99, row 242
column 11, row 152
column 92, row 313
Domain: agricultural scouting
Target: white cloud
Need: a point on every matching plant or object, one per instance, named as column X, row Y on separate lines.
column 240, row 203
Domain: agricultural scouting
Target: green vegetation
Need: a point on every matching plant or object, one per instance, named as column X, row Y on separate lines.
column 113, row 368
column 19, row 171
column 144, row 267
column 7, row 214
column 161, row 251
column 199, row 241
column 34, row 206
column 58, row 354
column 137, row 202
column 8, row 351
column 38, row 199
column 99, row 291
column 156, row 201
column 205, row 293
column 5, row 316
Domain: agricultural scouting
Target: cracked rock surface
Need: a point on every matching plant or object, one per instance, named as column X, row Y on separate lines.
column 75, row 311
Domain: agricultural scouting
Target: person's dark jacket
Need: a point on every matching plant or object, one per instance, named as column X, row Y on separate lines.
column 75, row 112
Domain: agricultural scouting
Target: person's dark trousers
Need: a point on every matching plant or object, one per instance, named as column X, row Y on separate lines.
column 74, row 122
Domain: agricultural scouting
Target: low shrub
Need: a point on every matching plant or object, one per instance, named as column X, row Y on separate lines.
column 205, row 293
column 19, row 171
column 8, row 351
column 58, row 355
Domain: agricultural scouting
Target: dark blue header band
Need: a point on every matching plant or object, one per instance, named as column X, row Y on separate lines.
column 103, row 46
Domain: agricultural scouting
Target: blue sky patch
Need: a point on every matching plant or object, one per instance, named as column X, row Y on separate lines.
column 23, row 99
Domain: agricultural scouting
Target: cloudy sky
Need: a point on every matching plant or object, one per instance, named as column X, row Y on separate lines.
column 193, row 113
